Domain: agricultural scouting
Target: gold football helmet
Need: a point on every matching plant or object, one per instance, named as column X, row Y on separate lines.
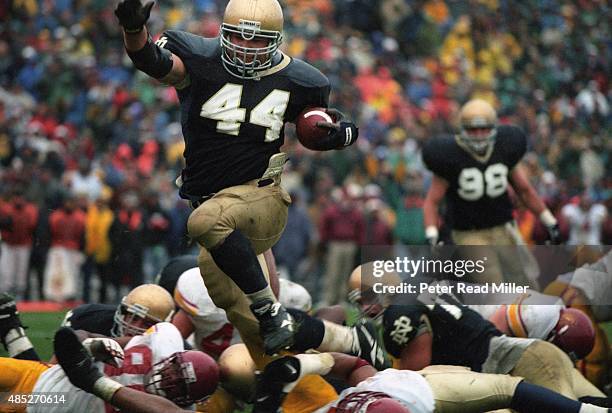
column 144, row 306
column 361, row 290
column 250, row 20
column 478, row 125
column 237, row 372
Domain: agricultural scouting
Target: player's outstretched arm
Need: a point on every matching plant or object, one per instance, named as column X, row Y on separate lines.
column 148, row 57
column 135, row 401
column 430, row 208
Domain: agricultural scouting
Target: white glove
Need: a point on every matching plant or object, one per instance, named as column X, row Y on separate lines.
column 105, row 350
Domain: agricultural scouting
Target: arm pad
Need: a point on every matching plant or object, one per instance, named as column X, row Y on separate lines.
column 152, row 59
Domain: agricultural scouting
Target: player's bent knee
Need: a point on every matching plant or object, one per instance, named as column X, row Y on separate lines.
column 202, row 221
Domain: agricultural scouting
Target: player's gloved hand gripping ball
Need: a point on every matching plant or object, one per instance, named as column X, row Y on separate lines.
column 322, row 129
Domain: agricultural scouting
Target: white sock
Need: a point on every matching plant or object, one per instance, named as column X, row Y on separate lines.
column 336, row 338
column 321, row 364
column 266, row 293
column 17, row 341
column 591, row 408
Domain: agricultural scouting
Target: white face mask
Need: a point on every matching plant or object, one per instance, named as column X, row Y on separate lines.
column 248, row 62
column 480, row 142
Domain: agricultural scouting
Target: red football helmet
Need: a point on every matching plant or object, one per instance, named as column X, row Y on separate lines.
column 370, row 402
column 574, row 333
column 186, row 377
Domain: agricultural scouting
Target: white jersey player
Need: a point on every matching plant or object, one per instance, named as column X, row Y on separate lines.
column 531, row 315
column 405, row 386
column 140, row 355
column 212, row 331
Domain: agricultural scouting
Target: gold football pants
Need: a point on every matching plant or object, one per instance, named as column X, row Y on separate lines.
column 261, row 215
column 457, row 389
column 548, row 366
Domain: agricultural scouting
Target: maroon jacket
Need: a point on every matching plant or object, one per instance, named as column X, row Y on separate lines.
column 67, row 228
column 23, row 222
column 339, row 224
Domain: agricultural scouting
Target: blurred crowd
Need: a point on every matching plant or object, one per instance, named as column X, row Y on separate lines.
column 90, row 148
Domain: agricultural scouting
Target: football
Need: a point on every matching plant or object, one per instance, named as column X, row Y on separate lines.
column 308, row 133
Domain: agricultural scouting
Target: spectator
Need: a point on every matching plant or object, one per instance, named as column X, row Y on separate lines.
column 67, row 227
column 585, row 219
column 295, row 243
column 21, row 217
column 341, row 230
column 591, row 102
column 127, row 239
column 84, row 181
column 156, row 230
column 98, row 245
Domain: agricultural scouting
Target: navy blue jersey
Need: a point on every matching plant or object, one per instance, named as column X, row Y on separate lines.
column 477, row 196
column 95, row 318
column 460, row 335
column 233, row 126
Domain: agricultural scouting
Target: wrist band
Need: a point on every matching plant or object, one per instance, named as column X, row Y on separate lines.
column 105, row 388
column 431, row 232
column 548, row 218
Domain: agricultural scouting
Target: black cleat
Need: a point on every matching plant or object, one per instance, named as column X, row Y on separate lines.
column 270, row 392
column 9, row 316
column 75, row 359
column 366, row 346
column 276, row 326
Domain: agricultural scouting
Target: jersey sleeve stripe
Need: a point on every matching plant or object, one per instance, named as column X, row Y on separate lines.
column 515, row 321
column 186, row 305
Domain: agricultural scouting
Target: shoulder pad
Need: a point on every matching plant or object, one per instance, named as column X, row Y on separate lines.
column 189, row 290
column 514, row 142
column 436, row 153
column 306, row 75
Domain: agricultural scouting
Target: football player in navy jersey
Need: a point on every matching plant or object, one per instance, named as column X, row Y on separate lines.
column 446, row 332
column 472, row 171
column 236, row 92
